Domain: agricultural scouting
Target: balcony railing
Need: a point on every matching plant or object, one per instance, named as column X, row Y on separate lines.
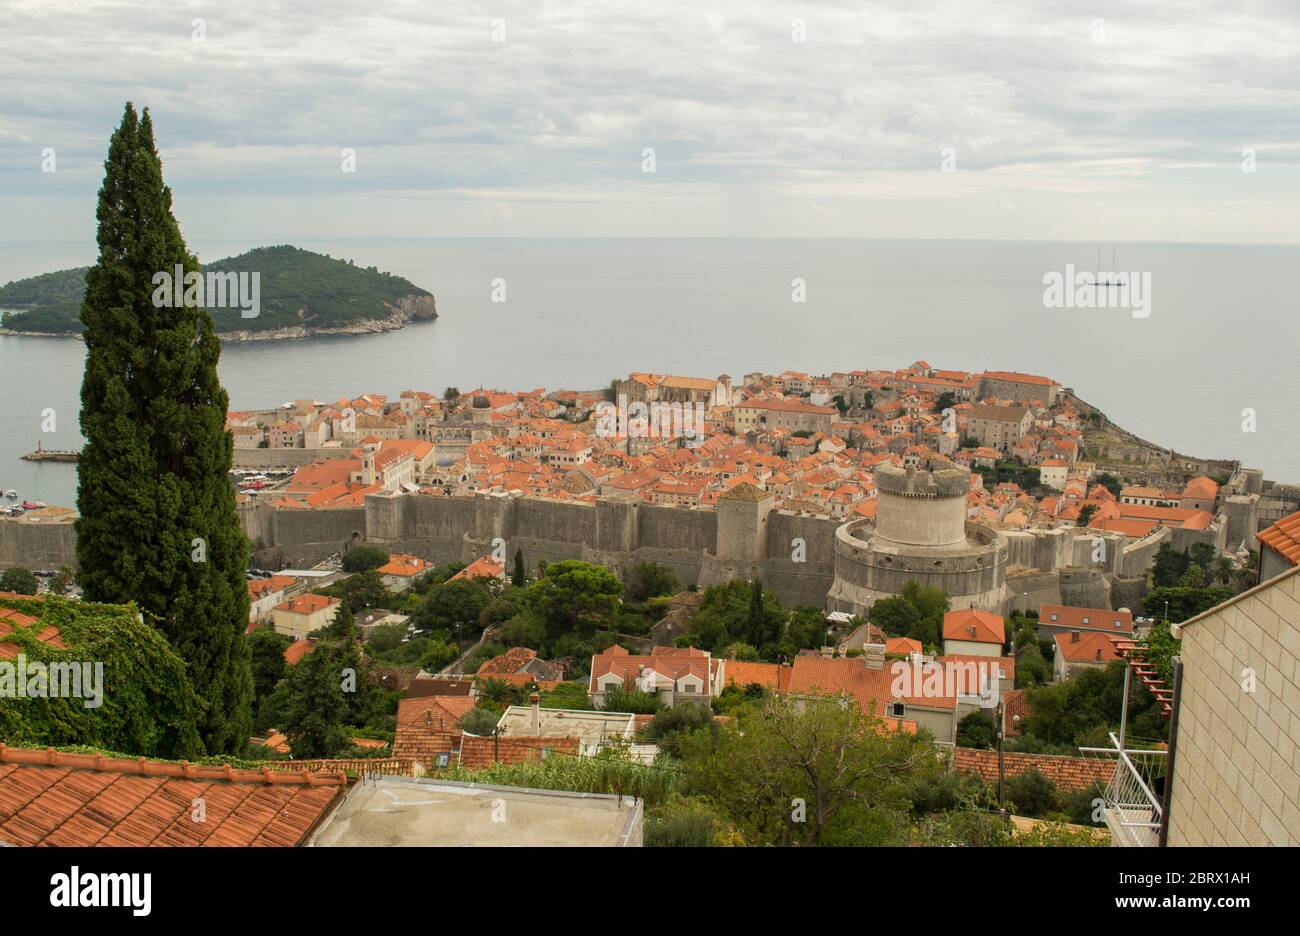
column 1131, row 808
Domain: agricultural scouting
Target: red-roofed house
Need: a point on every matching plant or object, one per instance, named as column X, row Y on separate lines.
column 1059, row 619
column 1079, row 650
column 675, row 674
column 975, row 633
column 265, row 594
column 1279, row 547
column 299, row 616
column 483, row 567
column 401, row 570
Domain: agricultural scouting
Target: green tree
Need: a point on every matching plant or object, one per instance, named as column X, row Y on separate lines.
column 266, row 650
column 820, row 773
column 454, row 607
column 1110, row 483
column 575, row 598
column 157, row 522
column 317, row 707
column 63, row 580
column 977, row 730
column 344, row 625
column 520, row 578
column 635, row 701
column 1032, row 668
column 1031, row 793
column 648, row 580
column 896, row 616
column 364, row 558
column 1170, row 566
column 363, row 590
column 499, row 692
column 18, row 580
column 479, row 721
column 1085, row 514
column 437, row 654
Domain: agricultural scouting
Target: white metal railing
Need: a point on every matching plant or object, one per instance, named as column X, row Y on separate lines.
column 1131, row 808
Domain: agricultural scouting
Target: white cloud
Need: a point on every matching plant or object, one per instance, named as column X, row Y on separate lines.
column 749, row 127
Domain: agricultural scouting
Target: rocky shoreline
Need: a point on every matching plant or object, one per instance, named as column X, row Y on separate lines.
column 407, row 310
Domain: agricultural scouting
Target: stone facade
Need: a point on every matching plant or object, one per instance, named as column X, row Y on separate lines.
column 1237, row 760
column 920, row 534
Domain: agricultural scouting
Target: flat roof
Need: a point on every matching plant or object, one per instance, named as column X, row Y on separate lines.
column 400, row 811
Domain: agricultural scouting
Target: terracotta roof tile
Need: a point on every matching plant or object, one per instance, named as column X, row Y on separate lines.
column 53, row 798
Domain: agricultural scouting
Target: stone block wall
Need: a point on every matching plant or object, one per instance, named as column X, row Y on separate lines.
column 1237, row 763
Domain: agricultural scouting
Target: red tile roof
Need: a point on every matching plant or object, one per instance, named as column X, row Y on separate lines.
column 770, row 675
column 297, row 650
column 11, row 620
column 1068, row 773
column 974, row 626
column 53, row 798
column 306, row 604
column 1086, row 647
column 1284, row 537
column 1118, row 622
column 483, row 567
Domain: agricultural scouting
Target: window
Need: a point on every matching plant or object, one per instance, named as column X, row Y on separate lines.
column 1053, row 615
column 1085, row 620
column 444, row 758
column 897, row 709
column 688, row 687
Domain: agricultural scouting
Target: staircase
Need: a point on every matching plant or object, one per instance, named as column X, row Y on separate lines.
column 1134, row 652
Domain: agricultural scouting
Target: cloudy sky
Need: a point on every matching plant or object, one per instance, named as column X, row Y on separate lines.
column 1092, row 121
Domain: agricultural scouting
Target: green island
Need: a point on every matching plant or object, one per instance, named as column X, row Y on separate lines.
column 302, row 294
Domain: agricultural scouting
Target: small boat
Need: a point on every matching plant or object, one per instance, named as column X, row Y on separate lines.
column 11, row 494
column 34, row 505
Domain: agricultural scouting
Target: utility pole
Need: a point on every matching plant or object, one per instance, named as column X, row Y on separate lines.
column 1002, row 768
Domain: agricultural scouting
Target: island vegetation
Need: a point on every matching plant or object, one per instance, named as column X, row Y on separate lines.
column 301, row 293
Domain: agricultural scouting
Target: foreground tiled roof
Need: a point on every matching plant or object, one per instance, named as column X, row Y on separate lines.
column 10, row 620
column 1068, row 773
column 59, row 799
column 1284, row 537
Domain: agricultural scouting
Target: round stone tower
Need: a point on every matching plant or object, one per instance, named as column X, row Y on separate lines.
column 920, row 534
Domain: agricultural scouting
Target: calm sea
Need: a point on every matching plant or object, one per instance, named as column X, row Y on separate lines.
column 1221, row 336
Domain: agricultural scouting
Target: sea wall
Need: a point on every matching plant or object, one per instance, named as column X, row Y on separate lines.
column 37, row 545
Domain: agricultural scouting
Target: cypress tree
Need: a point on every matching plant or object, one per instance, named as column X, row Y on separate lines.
column 157, row 523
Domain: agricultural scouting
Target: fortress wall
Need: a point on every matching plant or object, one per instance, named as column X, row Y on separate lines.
column 1141, row 554
column 817, row 534
column 921, row 521
column 676, row 528
column 1027, row 590
column 285, row 458
column 1083, row 550
column 37, row 545
column 798, row 584
column 1215, row 535
column 305, row 537
column 539, row 518
column 1128, row 593
column 1084, row 588
column 615, row 526
column 1241, row 513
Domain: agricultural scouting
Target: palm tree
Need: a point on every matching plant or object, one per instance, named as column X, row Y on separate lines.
column 498, row 692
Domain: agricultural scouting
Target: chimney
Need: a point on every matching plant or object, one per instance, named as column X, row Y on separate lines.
column 536, row 701
column 1074, row 636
